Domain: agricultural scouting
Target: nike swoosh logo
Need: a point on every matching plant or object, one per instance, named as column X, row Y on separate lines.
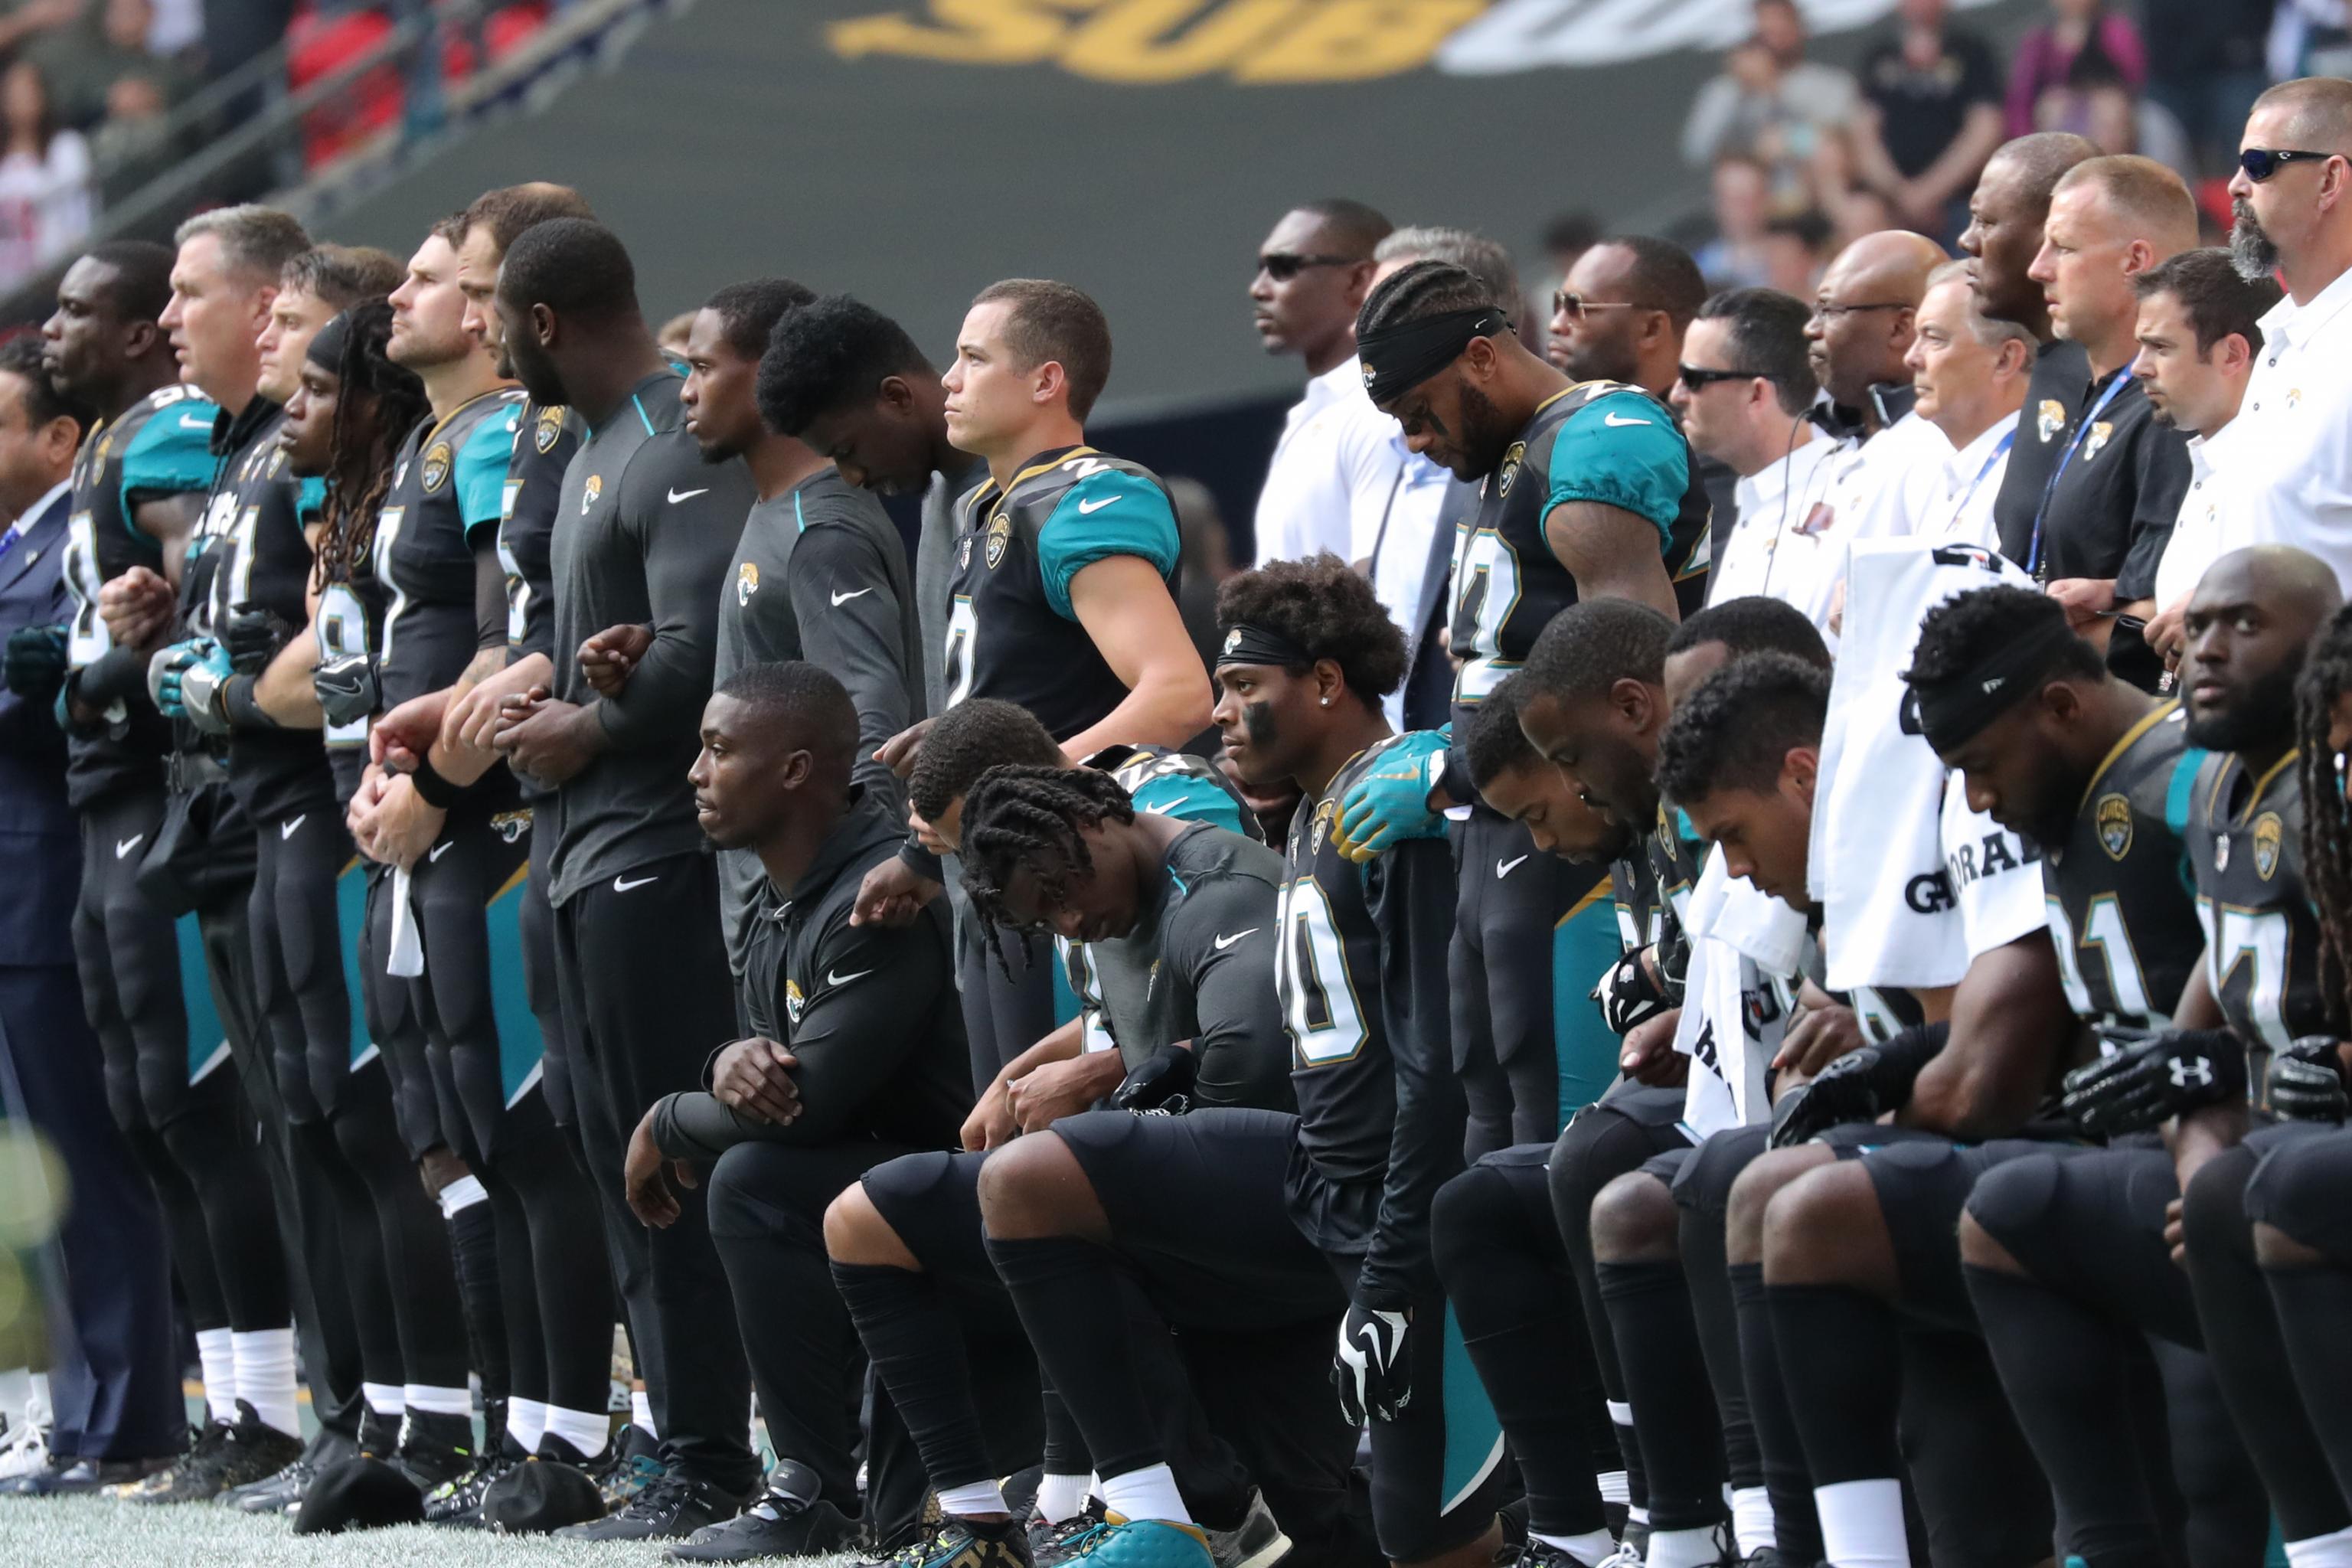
column 619, row 886
column 833, row 979
column 1612, row 419
column 128, row 844
column 1504, row 867
column 678, row 496
column 287, row 829
column 841, row 599
column 1225, row 942
column 191, row 422
column 1088, row 508
column 438, row 850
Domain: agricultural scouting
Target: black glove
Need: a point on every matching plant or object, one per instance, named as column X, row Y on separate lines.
column 253, row 636
column 346, row 688
column 2148, row 1074
column 1373, row 1367
column 1156, row 1080
column 36, row 663
column 1628, row 996
column 1860, row 1086
column 2306, row 1081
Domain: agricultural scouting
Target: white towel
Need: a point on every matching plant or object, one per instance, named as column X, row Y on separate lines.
column 406, row 958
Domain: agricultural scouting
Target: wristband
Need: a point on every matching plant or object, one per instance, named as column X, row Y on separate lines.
column 431, row 787
column 238, row 700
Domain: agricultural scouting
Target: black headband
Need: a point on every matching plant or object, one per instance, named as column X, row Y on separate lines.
column 1246, row 643
column 327, row 344
column 1951, row 713
column 1399, row 358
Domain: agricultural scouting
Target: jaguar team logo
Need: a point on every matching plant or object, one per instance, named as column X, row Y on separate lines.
column 2097, row 442
column 747, row 582
column 2294, row 397
column 2049, row 419
column 1323, row 814
column 793, row 1000
column 590, row 491
column 277, row 462
column 1233, row 640
column 1000, row 539
column 1371, row 375
column 510, row 826
column 2269, row 834
column 1511, row 460
column 436, row 467
column 2114, row 816
column 547, row 429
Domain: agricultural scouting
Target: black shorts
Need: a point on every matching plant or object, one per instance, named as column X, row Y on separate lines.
column 2302, row 1178
column 1705, row 1178
column 2089, row 1224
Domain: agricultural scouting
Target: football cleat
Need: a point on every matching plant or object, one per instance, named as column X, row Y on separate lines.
column 967, row 1543
column 1051, row 1544
column 788, row 1520
column 1257, row 1542
column 672, row 1507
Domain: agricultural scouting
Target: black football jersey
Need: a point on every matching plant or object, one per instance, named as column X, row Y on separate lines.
column 447, row 486
column 2123, row 905
column 545, row 438
column 159, row 446
column 1628, row 452
column 2245, row 844
column 1011, row 632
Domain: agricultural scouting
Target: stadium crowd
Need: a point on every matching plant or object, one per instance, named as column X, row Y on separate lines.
column 1737, row 954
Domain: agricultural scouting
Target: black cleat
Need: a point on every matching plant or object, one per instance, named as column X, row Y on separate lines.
column 436, row 1449
column 788, row 1520
column 670, row 1509
column 282, row 1492
column 632, row 1462
column 1051, row 1545
column 1257, row 1542
column 193, row 1476
column 457, row 1504
column 257, row 1450
column 968, row 1543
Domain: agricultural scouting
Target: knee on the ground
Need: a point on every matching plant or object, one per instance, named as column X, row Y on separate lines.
column 1635, row 1220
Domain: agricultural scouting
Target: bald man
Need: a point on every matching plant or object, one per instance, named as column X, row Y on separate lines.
column 2069, row 1265
column 2107, row 511
column 2291, row 202
column 2006, row 214
column 1865, row 315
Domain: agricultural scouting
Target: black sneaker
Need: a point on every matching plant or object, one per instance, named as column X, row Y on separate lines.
column 1055, row 1544
column 379, row 1435
column 967, row 1543
column 632, row 1462
column 1257, row 1542
column 459, row 1504
column 282, row 1492
column 257, row 1450
column 195, row 1476
column 788, row 1520
column 436, row 1449
column 670, row 1509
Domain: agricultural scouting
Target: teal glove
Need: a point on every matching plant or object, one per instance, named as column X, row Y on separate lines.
column 167, row 671
column 1391, row 804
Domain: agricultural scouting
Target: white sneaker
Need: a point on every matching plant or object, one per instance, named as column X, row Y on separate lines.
column 26, row 1448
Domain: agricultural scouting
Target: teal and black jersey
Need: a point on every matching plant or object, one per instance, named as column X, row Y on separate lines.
column 544, row 440
column 2262, row 938
column 1011, row 633
column 1361, row 975
column 440, row 517
column 159, row 446
column 264, row 564
column 2123, row 906
column 1596, row 441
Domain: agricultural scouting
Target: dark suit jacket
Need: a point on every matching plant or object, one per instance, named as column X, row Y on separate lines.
column 1429, row 675
column 40, row 840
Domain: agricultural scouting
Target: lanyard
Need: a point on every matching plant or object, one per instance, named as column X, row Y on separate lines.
column 1968, row 495
column 2033, row 556
column 8, row 539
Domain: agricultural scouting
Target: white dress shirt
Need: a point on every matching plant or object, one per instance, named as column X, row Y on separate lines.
column 1962, row 509
column 1320, row 481
column 2295, row 424
column 2216, row 514
column 1771, row 503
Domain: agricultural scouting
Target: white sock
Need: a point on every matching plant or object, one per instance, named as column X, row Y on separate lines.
column 1614, row 1488
column 527, row 1422
column 1682, row 1549
column 1752, row 1520
column 1148, row 1493
column 1060, row 1497
column 586, row 1430
column 215, row 1352
column 462, row 1193
column 977, row 1498
column 433, row 1400
column 38, row 1407
column 641, row 1411
column 385, row 1398
column 265, row 1378
column 1636, row 1515
column 1862, row 1524
column 2331, row 1550
column 1587, row 1549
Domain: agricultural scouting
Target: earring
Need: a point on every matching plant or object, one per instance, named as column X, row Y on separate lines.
column 1327, row 702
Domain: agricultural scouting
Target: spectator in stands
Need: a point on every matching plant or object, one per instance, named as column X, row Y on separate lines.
column 45, row 177
column 1931, row 116
column 671, row 339
column 1736, row 257
column 133, row 144
column 2205, row 66
column 1774, row 105
column 1564, row 238
column 107, row 44
column 28, row 19
column 1795, row 251
column 2047, row 56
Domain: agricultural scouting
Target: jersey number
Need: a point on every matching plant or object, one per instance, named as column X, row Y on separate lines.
column 1485, row 591
column 963, row 631
column 343, row 633
column 2254, row 943
column 2105, row 939
column 1310, row 975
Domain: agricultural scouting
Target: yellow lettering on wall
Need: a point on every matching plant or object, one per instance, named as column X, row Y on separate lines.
column 1349, row 40
column 1170, row 40
column 963, row 32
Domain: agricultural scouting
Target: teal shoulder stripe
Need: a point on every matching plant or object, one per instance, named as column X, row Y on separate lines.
column 2179, row 795
column 643, row 417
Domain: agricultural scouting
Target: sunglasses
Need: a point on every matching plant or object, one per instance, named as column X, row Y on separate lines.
column 1826, row 311
column 2261, row 162
column 1575, row 307
column 1282, row 266
column 1696, row 379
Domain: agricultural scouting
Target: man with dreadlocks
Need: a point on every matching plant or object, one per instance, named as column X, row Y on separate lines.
column 1176, row 917
column 2071, row 1262
column 1255, row 1223
column 1589, row 492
